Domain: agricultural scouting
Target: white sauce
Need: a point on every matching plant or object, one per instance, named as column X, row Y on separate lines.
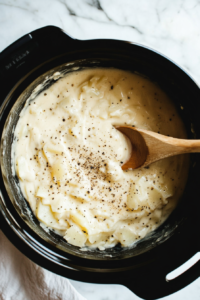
column 68, row 157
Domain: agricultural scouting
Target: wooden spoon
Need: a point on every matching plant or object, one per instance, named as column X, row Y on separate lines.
column 148, row 146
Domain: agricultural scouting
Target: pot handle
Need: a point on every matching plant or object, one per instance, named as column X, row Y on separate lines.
column 152, row 284
column 33, row 48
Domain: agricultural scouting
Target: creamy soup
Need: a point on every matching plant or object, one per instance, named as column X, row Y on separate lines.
column 68, row 155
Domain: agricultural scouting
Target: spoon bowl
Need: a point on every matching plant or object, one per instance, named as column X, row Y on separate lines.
column 149, row 147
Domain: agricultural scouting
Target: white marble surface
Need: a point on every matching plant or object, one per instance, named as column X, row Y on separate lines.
column 171, row 27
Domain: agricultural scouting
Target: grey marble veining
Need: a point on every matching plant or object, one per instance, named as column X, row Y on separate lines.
column 171, row 27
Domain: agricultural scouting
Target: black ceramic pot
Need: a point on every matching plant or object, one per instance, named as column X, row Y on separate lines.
column 142, row 268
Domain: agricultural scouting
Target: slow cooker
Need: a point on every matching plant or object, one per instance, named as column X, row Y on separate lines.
column 142, row 268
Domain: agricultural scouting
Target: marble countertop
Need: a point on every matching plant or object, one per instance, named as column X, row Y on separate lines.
column 171, row 27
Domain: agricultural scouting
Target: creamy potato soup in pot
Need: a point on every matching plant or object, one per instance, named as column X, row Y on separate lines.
column 68, row 155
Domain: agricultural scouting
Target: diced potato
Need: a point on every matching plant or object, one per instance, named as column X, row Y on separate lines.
column 114, row 171
column 52, row 148
column 45, row 215
column 67, row 105
column 99, row 237
column 40, row 158
column 96, row 91
column 155, row 198
column 156, row 215
column 62, row 215
column 42, row 192
column 93, row 238
column 125, row 236
column 166, row 190
column 80, row 195
column 93, row 80
column 90, row 88
column 142, row 233
column 58, row 216
column 144, row 221
column 79, row 219
column 62, row 218
column 57, row 170
column 59, row 203
column 23, row 170
column 133, row 201
column 75, row 236
column 63, row 223
column 144, row 193
column 165, row 186
column 46, row 201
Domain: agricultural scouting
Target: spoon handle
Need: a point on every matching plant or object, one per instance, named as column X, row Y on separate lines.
column 161, row 146
column 188, row 146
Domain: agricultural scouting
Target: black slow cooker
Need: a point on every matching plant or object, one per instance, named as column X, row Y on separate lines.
column 142, row 268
